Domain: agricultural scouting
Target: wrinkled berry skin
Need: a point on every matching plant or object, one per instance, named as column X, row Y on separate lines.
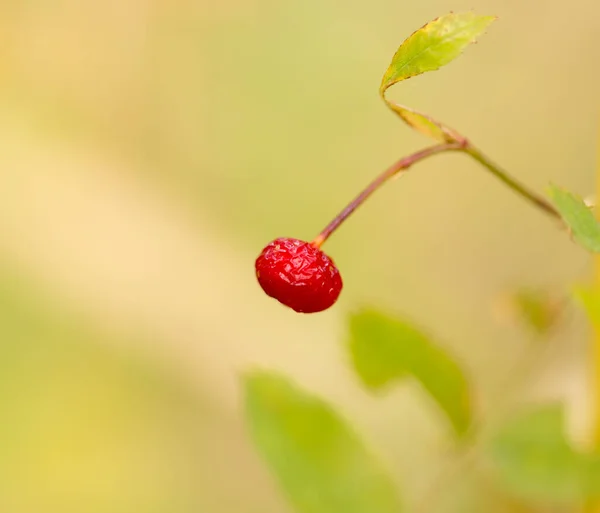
column 298, row 275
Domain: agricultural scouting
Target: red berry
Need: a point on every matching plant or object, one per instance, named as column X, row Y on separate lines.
column 298, row 275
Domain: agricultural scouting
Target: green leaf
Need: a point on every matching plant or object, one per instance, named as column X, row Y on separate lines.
column 534, row 461
column 385, row 349
column 435, row 45
column 533, row 458
column 578, row 216
column 537, row 309
column 425, row 124
column 429, row 48
column 590, row 300
column 319, row 461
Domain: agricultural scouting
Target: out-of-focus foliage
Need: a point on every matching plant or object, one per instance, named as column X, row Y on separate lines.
column 589, row 298
column 88, row 428
column 578, row 217
column 533, row 460
column 319, row 461
column 386, row 349
column 537, row 309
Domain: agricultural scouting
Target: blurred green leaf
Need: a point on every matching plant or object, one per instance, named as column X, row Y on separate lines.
column 385, row 349
column 536, row 309
column 534, row 461
column 578, row 216
column 590, row 300
column 319, row 461
column 429, row 48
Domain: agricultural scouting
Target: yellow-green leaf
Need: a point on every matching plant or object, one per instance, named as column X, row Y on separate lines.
column 537, row 309
column 590, row 300
column 317, row 458
column 578, row 217
column 385, row 349
column 434, row 45
column 425, row 124
column 428, row 49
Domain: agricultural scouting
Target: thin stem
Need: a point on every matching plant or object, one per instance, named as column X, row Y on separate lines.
column 399, row 166
column 513, row 184
column 404, row 163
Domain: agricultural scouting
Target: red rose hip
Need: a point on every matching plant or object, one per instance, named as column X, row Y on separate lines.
column 299, row 275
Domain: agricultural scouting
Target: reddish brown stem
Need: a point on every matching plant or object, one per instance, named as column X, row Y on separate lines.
column 401, row 165
column 405, row 162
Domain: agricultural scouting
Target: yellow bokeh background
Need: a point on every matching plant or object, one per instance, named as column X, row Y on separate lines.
column 150, row 148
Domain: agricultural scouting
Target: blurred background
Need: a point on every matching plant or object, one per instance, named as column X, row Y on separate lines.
column 149, row 149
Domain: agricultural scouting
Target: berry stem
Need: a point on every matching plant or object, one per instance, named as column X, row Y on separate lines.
column 400, row 165
column 406, row 162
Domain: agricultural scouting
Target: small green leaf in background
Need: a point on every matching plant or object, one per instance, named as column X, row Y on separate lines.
column 578, row 217
column 534, row 461
column 590, row 300
column 537, row 309
column 385, row 349
column 429, row 48
column 320, row 463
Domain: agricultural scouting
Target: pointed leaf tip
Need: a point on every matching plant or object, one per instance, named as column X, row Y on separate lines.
column 434, row 45
column 429, row 48
column 385, row 350
column 319, row 461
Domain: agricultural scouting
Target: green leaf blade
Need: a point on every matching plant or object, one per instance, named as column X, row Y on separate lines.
column 534, row 461
column 578, row 217
column 385, row 350
column 589, row 298
column 536, row 309
column 429, row 48
column 424, row 124
column 320, row 463
column 435, row 45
